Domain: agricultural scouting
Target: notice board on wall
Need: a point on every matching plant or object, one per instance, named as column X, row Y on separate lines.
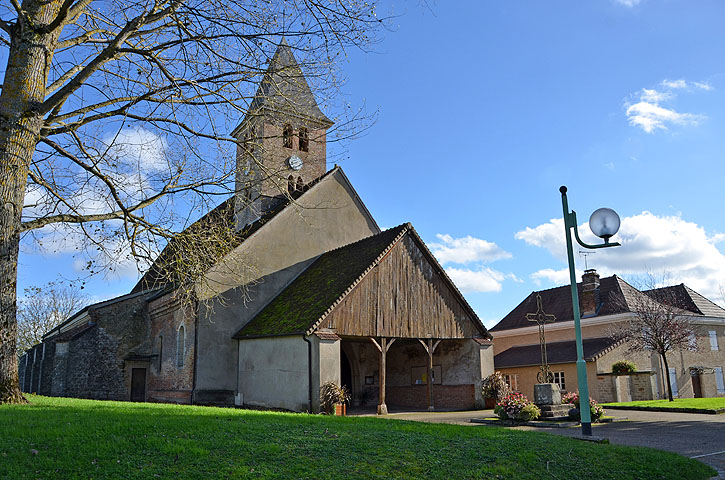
column 419, row 375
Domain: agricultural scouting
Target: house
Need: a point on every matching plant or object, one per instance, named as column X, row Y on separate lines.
column 310, row 290
column 604, row 303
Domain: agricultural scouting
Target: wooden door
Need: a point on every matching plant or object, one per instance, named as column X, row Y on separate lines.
column 138, row 384
column 696, row 385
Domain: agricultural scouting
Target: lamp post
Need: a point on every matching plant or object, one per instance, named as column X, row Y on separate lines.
column 604, row 223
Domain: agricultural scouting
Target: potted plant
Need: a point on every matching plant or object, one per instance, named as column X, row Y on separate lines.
column 333, row 398
column 494, row 388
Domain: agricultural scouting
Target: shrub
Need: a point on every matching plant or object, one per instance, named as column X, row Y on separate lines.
column 494, row 386
column 624, row 366
column 332, row 394
column 511, row 405
column 529, row 412
column 596, row 411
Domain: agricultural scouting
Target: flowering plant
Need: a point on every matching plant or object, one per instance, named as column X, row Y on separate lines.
column 512, row 406
column 595, row 409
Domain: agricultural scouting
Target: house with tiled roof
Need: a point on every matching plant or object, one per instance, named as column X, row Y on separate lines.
column 604, row 303
column 307, row 290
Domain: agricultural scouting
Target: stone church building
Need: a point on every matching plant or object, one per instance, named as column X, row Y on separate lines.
column 325, row 295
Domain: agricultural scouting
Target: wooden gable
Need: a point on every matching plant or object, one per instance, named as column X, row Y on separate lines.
column 405, row 295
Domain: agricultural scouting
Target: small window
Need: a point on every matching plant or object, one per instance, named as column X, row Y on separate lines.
column 300, row 184
column 290, row 184
column 287, row 136
column 559, row 380
column 304, row 140
column 180, row 346
column 713, row 340
column 512, row 380
column 161, row 350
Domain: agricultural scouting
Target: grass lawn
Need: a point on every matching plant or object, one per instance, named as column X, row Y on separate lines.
column 684, row 403
column 68, row 439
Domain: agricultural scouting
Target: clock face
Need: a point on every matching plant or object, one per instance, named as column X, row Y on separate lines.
column 294, row 162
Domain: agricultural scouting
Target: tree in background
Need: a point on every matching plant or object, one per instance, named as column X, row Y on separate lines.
column 661, row 324
column 115, row 119
column 43, row 308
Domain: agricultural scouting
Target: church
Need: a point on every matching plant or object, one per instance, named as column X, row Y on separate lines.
column 324, row 295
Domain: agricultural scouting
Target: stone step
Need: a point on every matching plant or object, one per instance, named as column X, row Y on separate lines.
column 561, row 410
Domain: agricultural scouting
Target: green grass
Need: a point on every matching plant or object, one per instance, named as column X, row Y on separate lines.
column 688, row 403
column 68, row 439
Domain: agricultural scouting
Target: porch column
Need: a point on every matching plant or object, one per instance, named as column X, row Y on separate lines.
column 430, row 348
column 382, row 347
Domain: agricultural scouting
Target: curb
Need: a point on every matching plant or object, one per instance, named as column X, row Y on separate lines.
column 706, row 411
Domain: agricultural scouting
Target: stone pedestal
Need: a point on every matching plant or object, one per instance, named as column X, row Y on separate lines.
column 547, row 394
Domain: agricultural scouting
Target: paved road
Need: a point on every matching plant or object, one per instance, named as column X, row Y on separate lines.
column 692, row 435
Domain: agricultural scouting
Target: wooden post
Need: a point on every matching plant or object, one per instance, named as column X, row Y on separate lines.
column 383, row 348
column 430, row 348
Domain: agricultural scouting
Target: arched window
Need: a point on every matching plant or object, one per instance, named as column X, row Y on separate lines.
column 304, row 140
column 287, row 136
column 161, row 350
column 180, row 346
column 300, row 184
column 290, row 184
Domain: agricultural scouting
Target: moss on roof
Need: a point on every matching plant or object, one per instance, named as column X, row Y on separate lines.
column 307, row 298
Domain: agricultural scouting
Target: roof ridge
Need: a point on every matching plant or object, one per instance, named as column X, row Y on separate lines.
column 404, row 228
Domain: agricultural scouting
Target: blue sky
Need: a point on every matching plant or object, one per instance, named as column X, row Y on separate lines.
column 485, row 108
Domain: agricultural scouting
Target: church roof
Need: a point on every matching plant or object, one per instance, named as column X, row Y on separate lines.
column 300, row 307
column 284, row 89
column 164, row 273
column 556, row 352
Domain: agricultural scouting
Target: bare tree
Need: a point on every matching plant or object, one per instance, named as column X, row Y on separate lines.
column 43, row 308
column 84, row 79
column 661, row 323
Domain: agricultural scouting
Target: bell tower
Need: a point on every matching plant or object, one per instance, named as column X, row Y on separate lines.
column 281, row 141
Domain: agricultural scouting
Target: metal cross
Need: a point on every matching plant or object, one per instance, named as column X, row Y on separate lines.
column 541, row 319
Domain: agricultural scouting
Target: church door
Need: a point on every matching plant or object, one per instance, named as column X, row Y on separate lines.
column 696, row 385
column 345, row 372
column 138, row 384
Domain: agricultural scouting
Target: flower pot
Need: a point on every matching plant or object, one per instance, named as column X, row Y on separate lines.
column 490, row 402
column 340, row 409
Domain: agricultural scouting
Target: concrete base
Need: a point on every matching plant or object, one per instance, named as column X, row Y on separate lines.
column 382, row 409
column 552, row 411
column 547, row 394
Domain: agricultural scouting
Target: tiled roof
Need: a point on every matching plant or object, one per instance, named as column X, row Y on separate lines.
column 557, row 352
column 689, row 300
column 162, row 274
column 315, row 290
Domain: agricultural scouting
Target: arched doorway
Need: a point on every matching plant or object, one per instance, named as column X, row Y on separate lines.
column 345, row 372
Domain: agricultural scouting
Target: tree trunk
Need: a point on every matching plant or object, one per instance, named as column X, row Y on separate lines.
column 667, row 376
column 23, row 92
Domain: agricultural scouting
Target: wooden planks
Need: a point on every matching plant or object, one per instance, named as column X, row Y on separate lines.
column 404, row 296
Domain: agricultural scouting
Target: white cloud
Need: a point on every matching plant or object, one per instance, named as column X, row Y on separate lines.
column 483, row 280
column 472, row 253
column 650, row 243
column 140, row 147
column 628, row 3
column 645, row 108
column 466, row 250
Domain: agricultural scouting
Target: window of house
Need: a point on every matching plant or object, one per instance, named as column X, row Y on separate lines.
column 304, row 140
column 673, row 382
column 290, row 184
column 161, row 350
column 713, row 340
column 719, row 380
column 287, row 136
column 512, row 380
column 180, row 346
column 559, row 380
column 693, row 342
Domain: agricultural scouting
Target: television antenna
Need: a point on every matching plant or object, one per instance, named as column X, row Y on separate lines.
column 585, row 254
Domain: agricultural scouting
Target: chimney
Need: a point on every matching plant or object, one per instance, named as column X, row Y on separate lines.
column 589, row 300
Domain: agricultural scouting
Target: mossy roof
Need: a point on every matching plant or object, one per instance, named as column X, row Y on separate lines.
column 318, row 288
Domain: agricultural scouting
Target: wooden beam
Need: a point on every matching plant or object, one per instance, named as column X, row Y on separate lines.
column 430, row 348
column 383, row 347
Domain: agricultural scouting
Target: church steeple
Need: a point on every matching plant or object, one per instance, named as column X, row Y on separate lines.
column 282, row 139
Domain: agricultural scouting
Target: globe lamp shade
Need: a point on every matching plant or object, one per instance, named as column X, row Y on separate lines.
column 604, row 223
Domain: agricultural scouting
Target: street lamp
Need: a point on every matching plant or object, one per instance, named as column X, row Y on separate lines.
column 604, row 224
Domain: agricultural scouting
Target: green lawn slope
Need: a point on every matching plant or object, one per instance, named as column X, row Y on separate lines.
column 84, row 439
